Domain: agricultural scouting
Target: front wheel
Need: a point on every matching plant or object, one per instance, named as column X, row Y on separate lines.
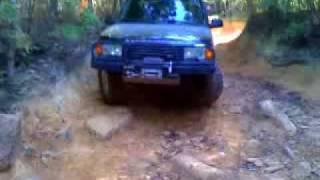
column 205, row 88
column 213, row 87
column 111, row 87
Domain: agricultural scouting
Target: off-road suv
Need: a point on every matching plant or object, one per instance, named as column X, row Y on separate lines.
column 165, row 42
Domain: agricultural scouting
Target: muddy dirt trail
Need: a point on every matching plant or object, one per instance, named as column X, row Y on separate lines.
column 66, row 134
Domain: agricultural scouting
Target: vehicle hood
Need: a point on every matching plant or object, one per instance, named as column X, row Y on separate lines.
column 174, row 32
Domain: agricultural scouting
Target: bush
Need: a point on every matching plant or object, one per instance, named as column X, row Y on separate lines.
column 295, row 30
column 295, row 34
column 23, row 41
column 74, row 30
column 10, row 31
column 8, row 14
column 70, row 11
column 71, row 31
column 89, row 19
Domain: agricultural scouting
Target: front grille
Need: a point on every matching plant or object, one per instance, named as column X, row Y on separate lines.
column 165, row 52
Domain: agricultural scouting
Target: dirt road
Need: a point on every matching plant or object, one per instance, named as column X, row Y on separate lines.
column 232, row 136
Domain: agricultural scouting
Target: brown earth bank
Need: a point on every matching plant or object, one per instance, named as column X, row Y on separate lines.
column 243, row 56
column 70, row 134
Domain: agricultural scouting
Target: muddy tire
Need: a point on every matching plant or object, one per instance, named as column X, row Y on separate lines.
column 205, row 89
column 112, row 88
column 213, row 88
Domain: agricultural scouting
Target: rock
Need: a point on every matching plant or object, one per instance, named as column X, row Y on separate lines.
column 247, row 175
column 289, row 152
column 44, row 160
column 256, row 161
column 250, row 166
column 235, row 109
column 23, row 172
column 178, row 143
column 156, row 178
column 137, row 166
column 199, row 139
column 103, row 126
column 271, row 160
column 268, row 107
column 164, row 144
column 313, row 135
column 191, row 169
column 65, row 133
column 275, row 177
column 171, row 135
column 252, row 148
column 274, row 168
column 9, row 137
column 272, row 164
column 316, row 169
column 167, row 134
column 50, row 154
column 227, row 84
column 294, row 112
column 301, row 170
column 29, row 151
column 182, row 134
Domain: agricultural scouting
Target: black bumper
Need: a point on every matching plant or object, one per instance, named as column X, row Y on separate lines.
column 180, row 67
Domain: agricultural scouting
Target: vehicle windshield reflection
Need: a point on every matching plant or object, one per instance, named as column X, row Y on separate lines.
column 155, row 11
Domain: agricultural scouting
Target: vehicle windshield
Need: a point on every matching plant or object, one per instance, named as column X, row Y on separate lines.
column 164, row 11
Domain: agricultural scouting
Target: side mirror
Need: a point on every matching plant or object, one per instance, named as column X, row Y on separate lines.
column 216, row 23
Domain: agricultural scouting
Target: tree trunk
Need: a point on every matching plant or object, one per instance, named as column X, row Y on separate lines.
column 251, row 8
column 30, row 7
column 114, row 7
column 53, row 8
column 315, row 17
column 90, row 4
column 11, row 63
column 52, row 13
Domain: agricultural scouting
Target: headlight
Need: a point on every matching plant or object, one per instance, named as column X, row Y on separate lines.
column 200, row 53
column 194, row 53
column 112, row 50
column 108, row 50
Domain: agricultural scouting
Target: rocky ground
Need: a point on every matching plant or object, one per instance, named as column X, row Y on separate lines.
column 256, row 131
column 71, row 134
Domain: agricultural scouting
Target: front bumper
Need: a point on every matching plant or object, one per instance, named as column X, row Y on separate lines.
column 179, row 67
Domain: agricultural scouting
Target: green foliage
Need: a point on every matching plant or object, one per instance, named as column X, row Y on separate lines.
column 70, row 10
column 23, row 41
column 10, row 31
column 89, row 19
column 24, row 24
column 295, row 30
column 71, row 31
column 16, row 39
column 266, row 4
column 290, row 20
column 8, row 13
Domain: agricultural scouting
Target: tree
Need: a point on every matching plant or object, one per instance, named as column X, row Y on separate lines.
column 251, row 8
column 8, row 20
